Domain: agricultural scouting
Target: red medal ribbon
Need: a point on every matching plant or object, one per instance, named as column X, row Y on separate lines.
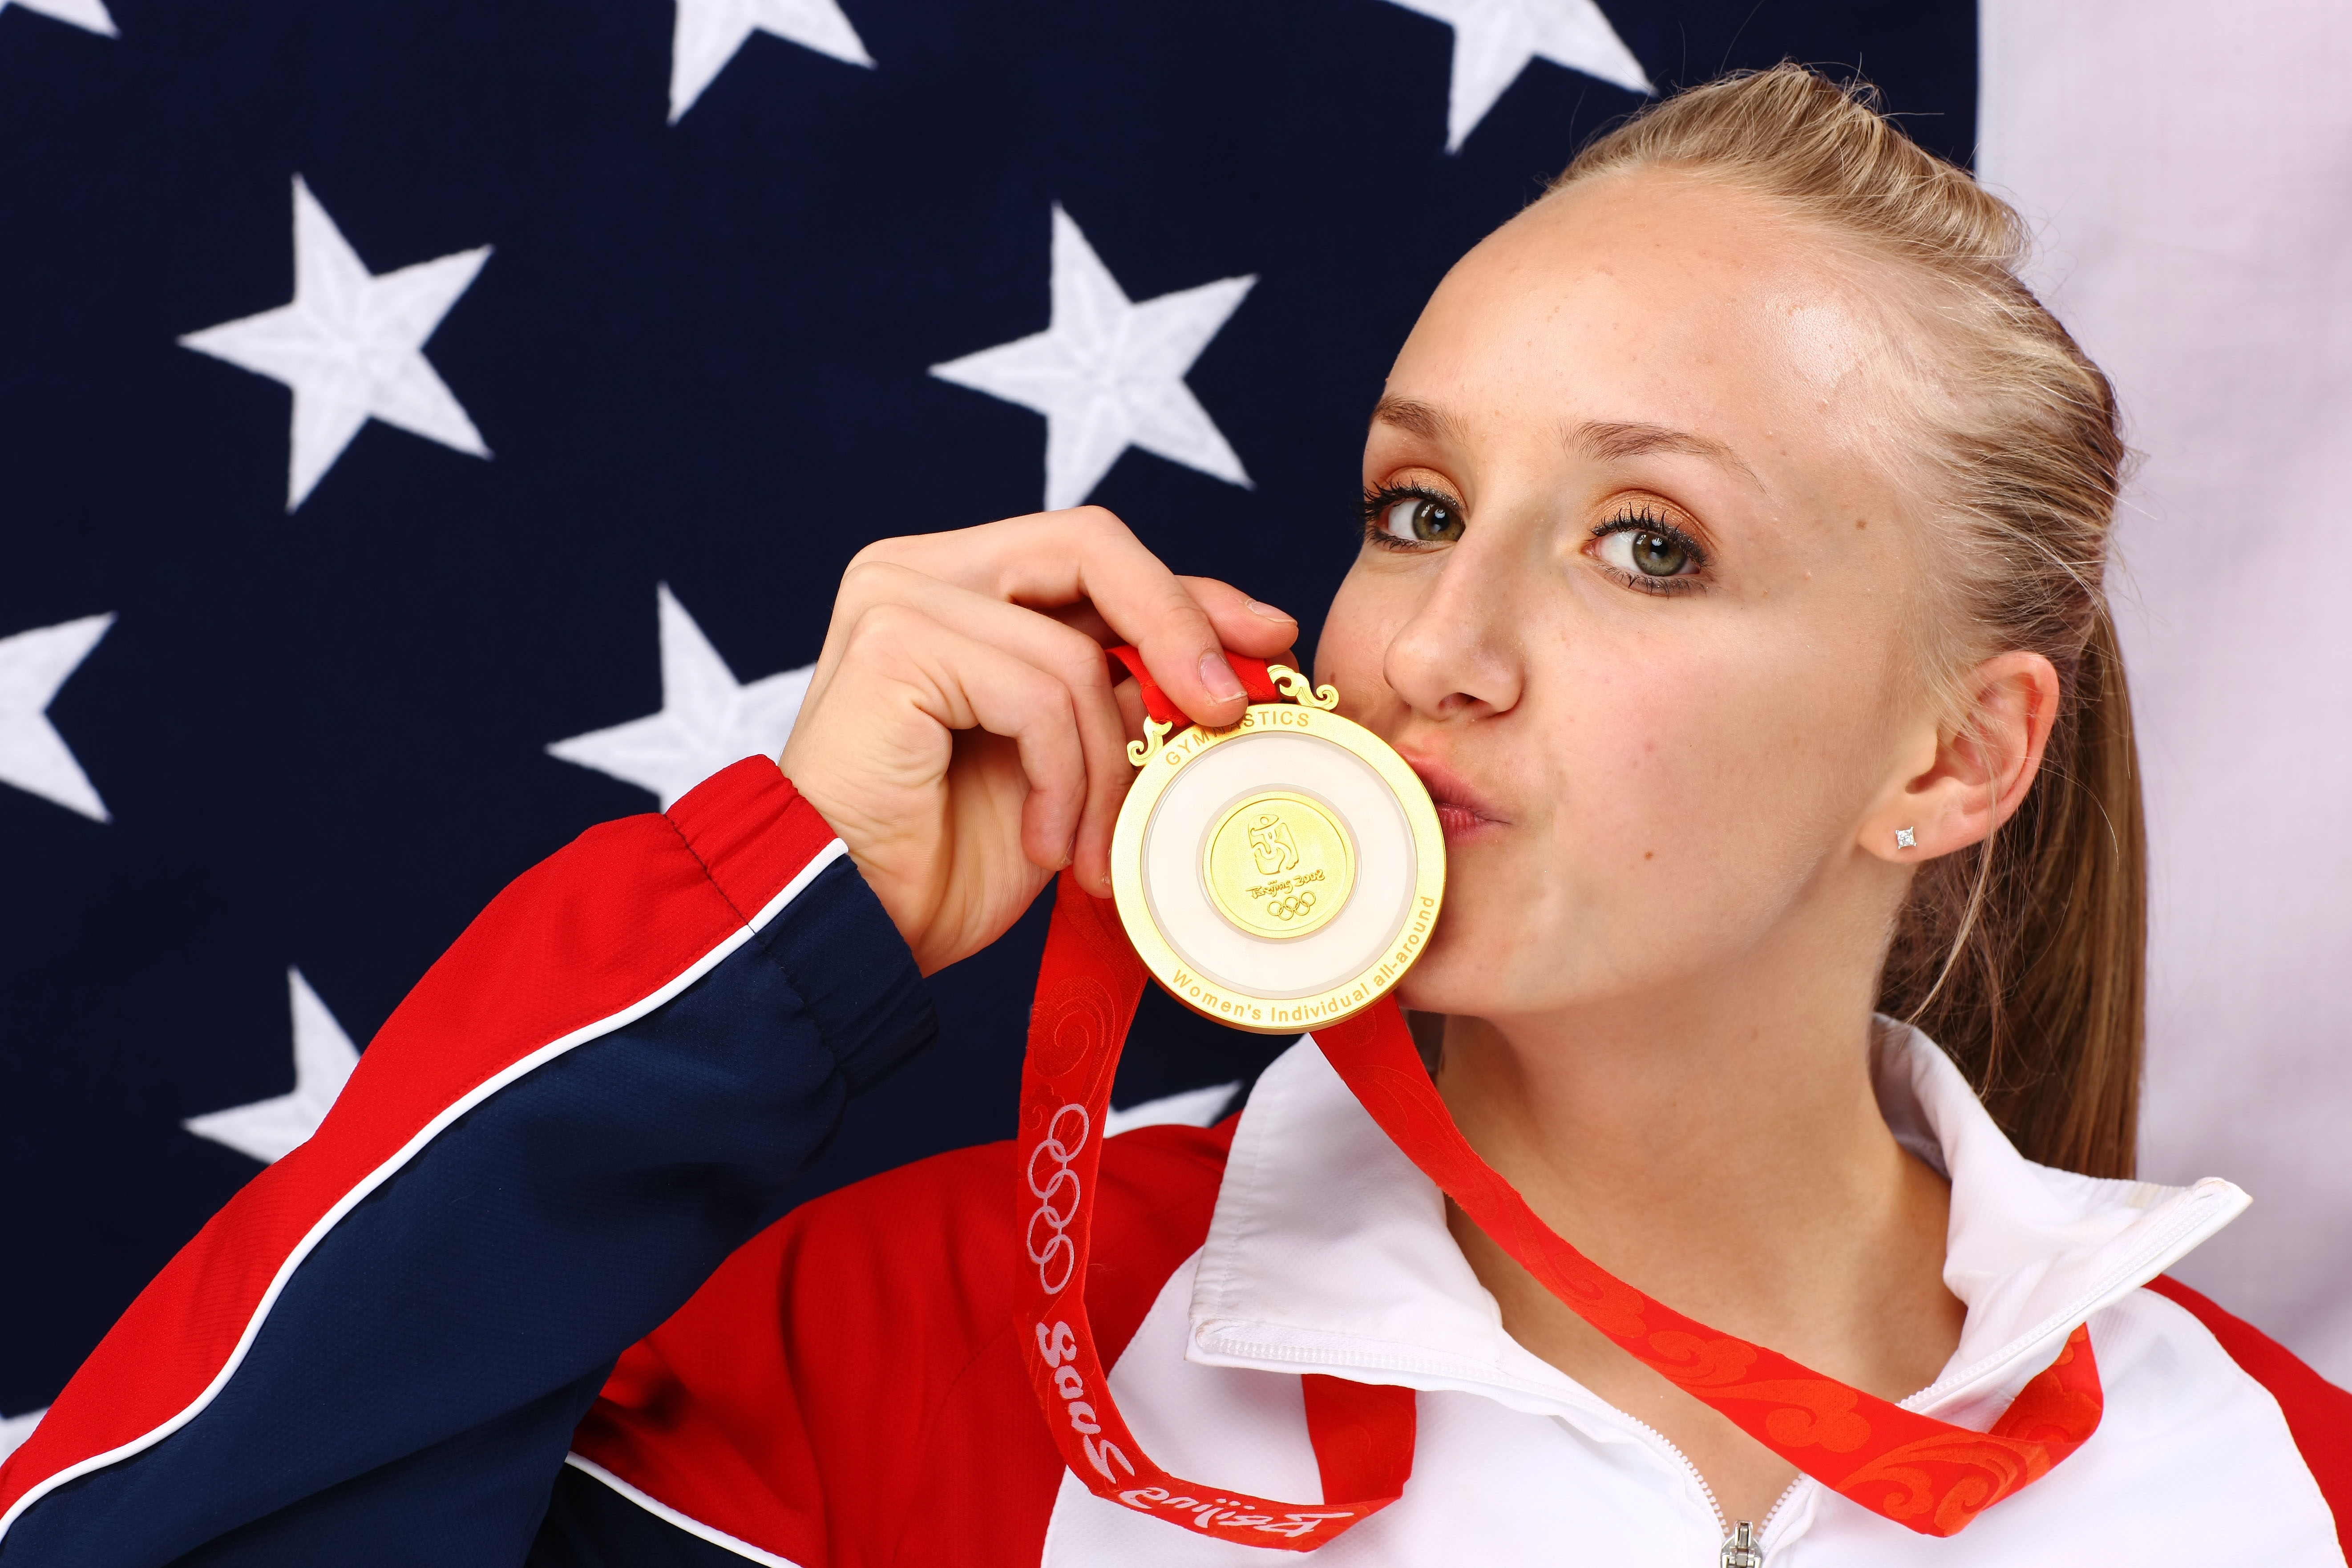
column 1925, row 1474
column 1255, row 682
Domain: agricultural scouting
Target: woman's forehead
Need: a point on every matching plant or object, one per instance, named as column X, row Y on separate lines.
column 1658, row 301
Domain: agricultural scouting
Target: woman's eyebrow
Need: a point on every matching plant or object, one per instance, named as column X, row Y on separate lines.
column 1604, row 440
column 1610, row 440
column 1418, row 418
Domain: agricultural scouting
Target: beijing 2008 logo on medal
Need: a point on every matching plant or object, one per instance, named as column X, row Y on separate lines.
column 1280, row 873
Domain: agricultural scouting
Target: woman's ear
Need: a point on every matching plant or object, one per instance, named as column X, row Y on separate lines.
column 1980, row 769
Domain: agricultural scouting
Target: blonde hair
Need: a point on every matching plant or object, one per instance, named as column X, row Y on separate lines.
column 2026, row 960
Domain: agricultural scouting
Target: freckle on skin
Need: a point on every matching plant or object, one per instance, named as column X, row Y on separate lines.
column 1648, row 854
column 1862, row 522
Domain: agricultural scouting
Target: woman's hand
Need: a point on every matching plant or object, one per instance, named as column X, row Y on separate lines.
column 960, row 732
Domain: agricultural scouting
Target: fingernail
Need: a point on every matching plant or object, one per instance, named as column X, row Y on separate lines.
column 1219, row 677
column 1259, row 607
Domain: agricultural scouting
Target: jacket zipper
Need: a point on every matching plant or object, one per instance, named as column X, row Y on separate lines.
column 1740, row 1548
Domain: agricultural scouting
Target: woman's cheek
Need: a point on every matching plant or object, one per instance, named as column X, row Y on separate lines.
column 1365, row 614
column 1674, row 847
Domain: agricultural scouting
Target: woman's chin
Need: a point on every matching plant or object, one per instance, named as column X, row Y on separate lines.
column 1458, row 972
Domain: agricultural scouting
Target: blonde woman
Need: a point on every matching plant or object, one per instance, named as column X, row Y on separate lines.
column 1734, row 532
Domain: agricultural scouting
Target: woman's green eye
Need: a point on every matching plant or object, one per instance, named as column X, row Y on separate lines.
column 1659, row 556
column 1421, row 520
column 1647, row 552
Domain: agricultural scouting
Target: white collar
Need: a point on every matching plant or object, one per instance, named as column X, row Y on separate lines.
column 1329, row 1252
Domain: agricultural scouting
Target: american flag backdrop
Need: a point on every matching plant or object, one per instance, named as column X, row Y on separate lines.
column 429, row 430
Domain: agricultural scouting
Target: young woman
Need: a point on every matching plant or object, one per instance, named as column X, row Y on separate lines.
column 1734, row 525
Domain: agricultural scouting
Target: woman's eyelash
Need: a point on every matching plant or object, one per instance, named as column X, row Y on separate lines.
column 1648, row 521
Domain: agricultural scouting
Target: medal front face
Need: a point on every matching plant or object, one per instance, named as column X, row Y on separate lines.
column 1279, row 866
column 1280, row 873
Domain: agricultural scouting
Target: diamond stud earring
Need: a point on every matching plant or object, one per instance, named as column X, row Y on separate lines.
column 1905, row 840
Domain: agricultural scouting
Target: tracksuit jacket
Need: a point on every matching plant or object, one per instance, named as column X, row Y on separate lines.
column 531, row 1296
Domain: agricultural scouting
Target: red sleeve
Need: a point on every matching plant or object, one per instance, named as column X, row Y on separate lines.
column 2318, row 1414
column 849, row 1388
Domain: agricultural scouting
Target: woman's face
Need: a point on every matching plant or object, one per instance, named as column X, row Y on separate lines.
column 1632, row 597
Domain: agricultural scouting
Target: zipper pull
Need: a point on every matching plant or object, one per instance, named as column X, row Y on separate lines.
column 1740, row 1548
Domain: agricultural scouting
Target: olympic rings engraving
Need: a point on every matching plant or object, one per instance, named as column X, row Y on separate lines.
column 1051, row 1247
column 1291, row 906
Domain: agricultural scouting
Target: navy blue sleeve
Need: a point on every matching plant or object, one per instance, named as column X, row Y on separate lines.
column 411, row 1395
column 590, row 1525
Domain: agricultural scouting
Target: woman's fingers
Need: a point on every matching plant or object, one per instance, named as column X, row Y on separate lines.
column 1011, row 698
column 1068, row 656
column 1055, row 559
column 1001, row 628
column 1145, row 604
column 1242, row 624
column 964, row 682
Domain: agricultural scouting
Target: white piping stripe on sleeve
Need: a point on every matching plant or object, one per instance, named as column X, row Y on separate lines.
column 799, row 884
column 669, row 1515
column 407, row 1151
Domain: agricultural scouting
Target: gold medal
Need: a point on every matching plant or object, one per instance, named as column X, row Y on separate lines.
column 1280, row 873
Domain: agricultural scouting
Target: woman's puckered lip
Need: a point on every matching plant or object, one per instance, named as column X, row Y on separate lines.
column 1459, row 807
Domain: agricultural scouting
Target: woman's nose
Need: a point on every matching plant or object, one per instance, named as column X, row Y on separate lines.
column 1458, row 656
